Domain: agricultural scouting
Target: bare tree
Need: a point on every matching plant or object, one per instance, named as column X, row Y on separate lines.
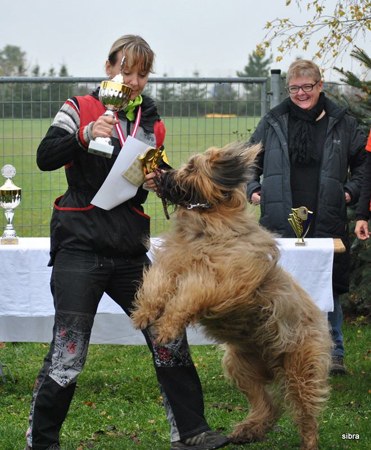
column 339, row 29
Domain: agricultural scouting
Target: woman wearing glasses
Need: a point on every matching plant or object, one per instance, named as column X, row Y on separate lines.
column 309, row 144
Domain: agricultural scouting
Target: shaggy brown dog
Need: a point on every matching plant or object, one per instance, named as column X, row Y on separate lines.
column 219, row 268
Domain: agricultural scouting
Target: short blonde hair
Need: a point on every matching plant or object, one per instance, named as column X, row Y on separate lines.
column 137, row 52
column 303, row 68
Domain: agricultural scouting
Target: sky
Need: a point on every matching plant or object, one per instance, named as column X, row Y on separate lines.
column 212, row 37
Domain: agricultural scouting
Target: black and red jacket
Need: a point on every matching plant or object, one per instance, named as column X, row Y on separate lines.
column 76, row 224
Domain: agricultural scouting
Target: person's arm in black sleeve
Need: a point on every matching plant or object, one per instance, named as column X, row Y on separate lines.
column 257, row 137
column 63, row 141
column 356, row 161
column 363, row 209
column 57, row 149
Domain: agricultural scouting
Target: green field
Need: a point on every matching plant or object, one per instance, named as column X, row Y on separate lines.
column 19, row 140
column 117, row 405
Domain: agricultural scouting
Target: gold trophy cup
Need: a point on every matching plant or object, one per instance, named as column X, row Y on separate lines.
column 114, row 96
column 10, row 198
column 300, row 220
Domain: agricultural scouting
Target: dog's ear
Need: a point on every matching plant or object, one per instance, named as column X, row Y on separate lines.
column 231, row 166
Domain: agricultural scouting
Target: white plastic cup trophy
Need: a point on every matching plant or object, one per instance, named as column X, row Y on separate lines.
column 10, row 198
column 114, row 95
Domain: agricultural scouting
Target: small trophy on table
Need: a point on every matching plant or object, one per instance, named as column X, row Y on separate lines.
column 10, row 198
column 300, row 220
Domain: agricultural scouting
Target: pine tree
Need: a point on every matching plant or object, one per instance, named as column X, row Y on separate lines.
column 193, row 99
column 12, row 61
column 358, row 301
column 359, row 104
column 257, row 66
column 165, row 99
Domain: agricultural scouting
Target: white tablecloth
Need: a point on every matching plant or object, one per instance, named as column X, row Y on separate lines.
column 26, row 304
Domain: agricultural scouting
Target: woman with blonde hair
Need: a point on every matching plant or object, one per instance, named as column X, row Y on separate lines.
column 95, row 251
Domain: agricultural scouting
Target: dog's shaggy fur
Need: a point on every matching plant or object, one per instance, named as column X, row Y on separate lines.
column 219, row 268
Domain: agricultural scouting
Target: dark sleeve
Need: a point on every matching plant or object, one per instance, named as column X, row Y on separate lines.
column 257, row 137
column 356, row 160
column 363, row 209
column 58, row 148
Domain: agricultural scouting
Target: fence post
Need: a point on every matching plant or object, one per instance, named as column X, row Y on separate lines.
column 275, row 87
column 264, row 99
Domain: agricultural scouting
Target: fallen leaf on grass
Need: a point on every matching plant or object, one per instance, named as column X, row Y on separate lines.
column 134, row 438
column 241, row 408
column 221, row 406
column 115, row 435
column 91, row 404
column 353, row 405
column 97, row 433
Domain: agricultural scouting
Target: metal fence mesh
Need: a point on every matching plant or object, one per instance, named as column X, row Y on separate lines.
column 198, row 113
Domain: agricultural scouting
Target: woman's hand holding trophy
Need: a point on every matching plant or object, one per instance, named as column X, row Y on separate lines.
column 114, row 95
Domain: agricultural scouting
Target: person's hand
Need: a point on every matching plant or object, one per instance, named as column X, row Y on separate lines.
column 361, row 230
column 255, row 198
column 149, row 182
column 103, row 126
column 348, row 198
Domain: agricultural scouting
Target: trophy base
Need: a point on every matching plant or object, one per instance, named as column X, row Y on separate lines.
column 100, row 149
column 300, row 242
column 9, row 241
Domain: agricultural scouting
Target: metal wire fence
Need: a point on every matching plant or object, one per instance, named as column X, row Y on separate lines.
column 197, row 112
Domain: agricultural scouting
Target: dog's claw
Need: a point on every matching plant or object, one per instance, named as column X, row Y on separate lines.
column 161, row 341
column 140, row 322
column 164, row 336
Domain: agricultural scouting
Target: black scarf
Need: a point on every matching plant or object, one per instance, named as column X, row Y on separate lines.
column 302, row 146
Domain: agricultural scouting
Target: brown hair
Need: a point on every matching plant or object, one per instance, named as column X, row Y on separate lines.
column 137, row 52
column 303, row 68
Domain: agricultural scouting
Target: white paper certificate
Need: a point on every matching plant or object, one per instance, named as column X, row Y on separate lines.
column 116, row 189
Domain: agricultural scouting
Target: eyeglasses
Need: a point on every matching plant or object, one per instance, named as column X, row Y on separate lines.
column 305, row 88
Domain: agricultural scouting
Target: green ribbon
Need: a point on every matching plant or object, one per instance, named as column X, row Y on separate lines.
column 130, row 109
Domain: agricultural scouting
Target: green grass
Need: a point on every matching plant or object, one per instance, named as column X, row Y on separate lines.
column 117, row 404
column 19, row 140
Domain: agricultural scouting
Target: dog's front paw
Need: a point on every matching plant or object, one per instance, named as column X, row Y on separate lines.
column 142, row 319
column 164, row 335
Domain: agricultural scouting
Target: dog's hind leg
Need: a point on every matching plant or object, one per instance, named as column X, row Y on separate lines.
column 251, row 378
column 306, row 374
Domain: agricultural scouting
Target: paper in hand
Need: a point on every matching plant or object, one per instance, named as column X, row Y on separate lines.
column 116, row 189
